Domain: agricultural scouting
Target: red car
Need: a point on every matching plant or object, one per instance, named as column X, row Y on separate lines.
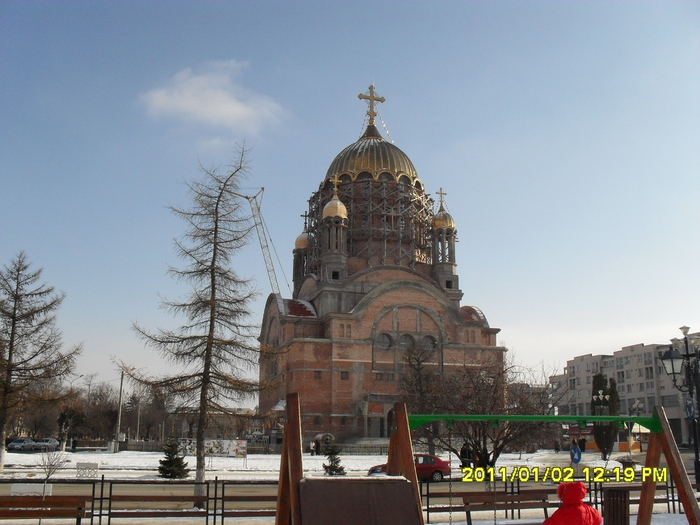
column 428, row 468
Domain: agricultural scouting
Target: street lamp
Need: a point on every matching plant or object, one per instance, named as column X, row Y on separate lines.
column 636, row 409
column 684, row 370
column 602, row 409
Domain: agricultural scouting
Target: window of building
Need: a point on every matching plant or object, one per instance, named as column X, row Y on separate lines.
column 384, row 341
column 390, row 377
column 345, row 375
column 379, row 376
column 317, row 374
column 406, row 342
column 317, row 421
column 428, row 343
column 343, row 421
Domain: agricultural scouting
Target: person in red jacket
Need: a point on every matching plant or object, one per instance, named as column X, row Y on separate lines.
column 573, row 511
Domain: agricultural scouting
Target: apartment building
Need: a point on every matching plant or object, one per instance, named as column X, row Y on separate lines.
column 641, row 382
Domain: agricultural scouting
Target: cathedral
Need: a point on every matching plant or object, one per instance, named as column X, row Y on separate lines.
column 375, row 279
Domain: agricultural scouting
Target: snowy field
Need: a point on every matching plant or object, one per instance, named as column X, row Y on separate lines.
column 144, row 466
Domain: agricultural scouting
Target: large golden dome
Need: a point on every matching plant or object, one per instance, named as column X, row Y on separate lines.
column 374, row 155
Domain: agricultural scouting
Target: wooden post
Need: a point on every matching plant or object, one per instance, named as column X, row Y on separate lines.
column 664, row 440
column 401, row 461
column 291, row 468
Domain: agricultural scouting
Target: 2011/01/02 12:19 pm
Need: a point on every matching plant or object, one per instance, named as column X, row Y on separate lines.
column 563, row 474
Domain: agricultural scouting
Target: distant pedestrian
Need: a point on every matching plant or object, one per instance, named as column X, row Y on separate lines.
column 582, row 444
column 556, row 446
column 74, row 445
column 465, row 455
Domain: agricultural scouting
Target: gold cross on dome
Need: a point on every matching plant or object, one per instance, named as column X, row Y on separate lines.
column 442, row 194
column 335, row 180
column 371, row 99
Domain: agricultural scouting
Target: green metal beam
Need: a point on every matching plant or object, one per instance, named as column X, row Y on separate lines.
column 652, row 423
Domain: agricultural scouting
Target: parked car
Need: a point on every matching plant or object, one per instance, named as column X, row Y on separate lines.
column 21, row 444
column 49, row 444
column 428, row 468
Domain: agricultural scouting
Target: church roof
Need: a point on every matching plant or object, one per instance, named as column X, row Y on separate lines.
column 374, row 155
column 298, row 308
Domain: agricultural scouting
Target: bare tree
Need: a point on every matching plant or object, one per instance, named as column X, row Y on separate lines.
column 215, row 344
column 30, row 342
column 489, row 388
column 50, row 462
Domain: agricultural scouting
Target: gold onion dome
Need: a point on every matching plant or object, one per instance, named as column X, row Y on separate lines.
column 374, row 155
column 443, row 220
column 302, row 241
column 335, row 207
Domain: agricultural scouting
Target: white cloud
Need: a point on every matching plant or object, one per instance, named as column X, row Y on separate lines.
column 213, row 98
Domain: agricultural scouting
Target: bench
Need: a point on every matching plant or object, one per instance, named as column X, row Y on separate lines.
column 247, row 506
column 158, row 506
column 525, row 499
column 87, row 470
column 28, row 507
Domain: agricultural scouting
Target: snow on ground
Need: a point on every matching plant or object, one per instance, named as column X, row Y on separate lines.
column 144, row 465
column 263, row 466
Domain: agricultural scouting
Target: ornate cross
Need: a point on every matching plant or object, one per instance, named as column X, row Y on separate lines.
column 371, row 99
column 441, row 193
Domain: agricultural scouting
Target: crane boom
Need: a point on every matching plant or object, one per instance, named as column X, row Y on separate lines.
column 262, row 238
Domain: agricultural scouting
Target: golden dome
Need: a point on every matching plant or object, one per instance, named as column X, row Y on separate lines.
column 302, row 242
column 443, row 220
column 374, row 155
column 335, row 208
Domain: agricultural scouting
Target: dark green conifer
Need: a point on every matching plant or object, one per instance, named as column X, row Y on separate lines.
column 333, row 468
column 174, row 465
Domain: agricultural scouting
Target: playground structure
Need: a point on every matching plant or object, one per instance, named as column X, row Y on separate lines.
column 397, row 501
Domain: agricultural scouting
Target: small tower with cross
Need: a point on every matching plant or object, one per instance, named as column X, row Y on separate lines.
column 444, row 257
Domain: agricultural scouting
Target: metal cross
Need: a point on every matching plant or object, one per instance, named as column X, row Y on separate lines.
column 442, row 194
column 371, row 98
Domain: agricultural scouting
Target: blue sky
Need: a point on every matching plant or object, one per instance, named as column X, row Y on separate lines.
column 566, row 135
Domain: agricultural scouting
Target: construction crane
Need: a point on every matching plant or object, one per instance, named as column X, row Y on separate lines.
column 262, row 237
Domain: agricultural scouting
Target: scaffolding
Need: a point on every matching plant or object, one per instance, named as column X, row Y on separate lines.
column 390, row 223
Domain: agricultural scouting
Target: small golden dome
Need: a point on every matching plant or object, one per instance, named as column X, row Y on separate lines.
column 302, row 242
column 335, row 208
column 443, row 220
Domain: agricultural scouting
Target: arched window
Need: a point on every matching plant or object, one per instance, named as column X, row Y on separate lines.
column 428, row 343
column 384, row 342
column 406, row 342
column 317, row 421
